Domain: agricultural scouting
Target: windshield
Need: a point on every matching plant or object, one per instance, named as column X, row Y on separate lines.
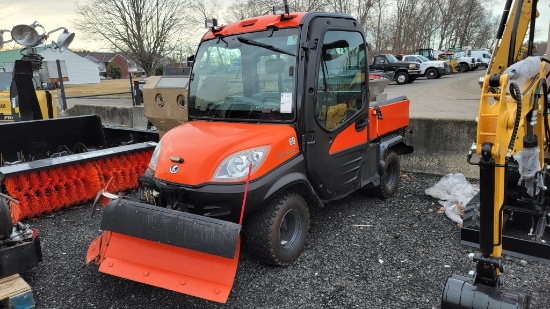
column 391, row 58
column 246, row 77
column 422, row 58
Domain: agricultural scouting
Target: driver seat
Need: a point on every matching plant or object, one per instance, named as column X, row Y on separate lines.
column 336, row 114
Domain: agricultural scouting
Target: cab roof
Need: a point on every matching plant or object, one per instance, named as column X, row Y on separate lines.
column 256, row 24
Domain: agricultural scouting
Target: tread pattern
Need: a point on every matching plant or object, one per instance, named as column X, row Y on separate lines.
column 259, row 230
column 381, row 191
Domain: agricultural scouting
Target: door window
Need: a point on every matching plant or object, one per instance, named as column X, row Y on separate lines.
column 341, row 78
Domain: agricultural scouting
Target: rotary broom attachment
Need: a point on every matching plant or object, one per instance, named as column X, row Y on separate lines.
column 67, row 161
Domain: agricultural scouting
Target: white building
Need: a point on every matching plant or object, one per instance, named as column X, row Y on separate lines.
column 79, row 69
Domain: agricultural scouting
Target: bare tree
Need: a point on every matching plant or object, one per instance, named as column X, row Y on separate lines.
column 307, row 5
column 145, row 29
column 242, row 9
column 376, row 28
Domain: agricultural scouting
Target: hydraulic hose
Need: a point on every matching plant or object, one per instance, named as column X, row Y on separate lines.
column 516, row 95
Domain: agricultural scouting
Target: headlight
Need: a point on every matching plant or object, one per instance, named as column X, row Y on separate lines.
column 412, row 66
column 155, row 157
column 236, row 165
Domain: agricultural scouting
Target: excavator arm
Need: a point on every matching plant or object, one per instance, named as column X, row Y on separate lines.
column 511, row 33
column 511, row 141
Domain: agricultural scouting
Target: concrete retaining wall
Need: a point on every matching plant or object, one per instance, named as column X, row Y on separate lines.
column 440, row 145
column 130, row 117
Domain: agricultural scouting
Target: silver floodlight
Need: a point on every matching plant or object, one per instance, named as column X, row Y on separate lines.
column 64, row 40
column 27, row 35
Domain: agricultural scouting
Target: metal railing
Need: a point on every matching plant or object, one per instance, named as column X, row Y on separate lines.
column 137, row 96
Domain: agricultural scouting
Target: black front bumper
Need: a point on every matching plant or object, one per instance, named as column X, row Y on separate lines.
column 224, row 200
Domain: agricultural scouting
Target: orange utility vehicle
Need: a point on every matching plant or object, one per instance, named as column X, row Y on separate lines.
column 279, row 121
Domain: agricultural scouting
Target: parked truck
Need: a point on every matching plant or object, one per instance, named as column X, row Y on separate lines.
column 403, row 71
column 279, row 121
column 430, row 68
column 458, row 62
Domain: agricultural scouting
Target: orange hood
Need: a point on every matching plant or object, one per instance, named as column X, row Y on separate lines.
column 204, row 145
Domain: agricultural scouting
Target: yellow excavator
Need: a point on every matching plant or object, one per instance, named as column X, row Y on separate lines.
column 513, row 135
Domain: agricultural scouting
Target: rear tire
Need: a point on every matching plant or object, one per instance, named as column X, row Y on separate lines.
column 277, row 233
column 6, row 225
column 432, row 74
column 389, row 179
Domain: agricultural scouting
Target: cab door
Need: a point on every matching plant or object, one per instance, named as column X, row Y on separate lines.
column 335, row 109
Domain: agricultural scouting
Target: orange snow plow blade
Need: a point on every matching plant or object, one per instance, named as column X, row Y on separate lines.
column 174, row 250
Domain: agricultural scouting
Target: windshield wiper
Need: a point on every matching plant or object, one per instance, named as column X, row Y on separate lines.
column 266, row 46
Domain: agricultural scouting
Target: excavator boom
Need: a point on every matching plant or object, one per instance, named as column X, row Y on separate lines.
column 511, row 142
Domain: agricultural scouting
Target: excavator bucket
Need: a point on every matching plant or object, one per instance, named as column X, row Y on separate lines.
column 174, row 250
column 461, row 293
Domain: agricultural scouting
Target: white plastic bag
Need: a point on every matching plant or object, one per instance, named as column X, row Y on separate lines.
column 454, row 192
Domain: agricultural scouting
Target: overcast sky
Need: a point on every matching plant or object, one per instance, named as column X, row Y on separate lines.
column 60, row 13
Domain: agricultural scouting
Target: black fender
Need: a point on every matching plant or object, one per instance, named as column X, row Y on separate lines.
column 295, row 179
column 396, row 143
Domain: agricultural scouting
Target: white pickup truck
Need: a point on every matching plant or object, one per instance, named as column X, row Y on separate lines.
column 429, row 68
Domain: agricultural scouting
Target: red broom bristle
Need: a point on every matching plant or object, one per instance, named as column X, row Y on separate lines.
column 11, row 185
column 44, row 189
column 70, row 185
column 79, row 184
column 33, row 192
column 53, row 189
column 15, row 212
column 60, row 191
column 91, row 180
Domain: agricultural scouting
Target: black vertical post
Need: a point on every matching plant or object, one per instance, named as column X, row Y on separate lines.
column 61, row 87
column 137, row 96
column 132, row 91
column 486, row 200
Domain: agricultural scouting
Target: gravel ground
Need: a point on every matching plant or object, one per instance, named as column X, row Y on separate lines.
column 362, row 252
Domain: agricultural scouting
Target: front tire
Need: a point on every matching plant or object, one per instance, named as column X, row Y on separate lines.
column 432, row 74
column 463, row 68
column 277, row 233
column 389, row 179
column 402, row 78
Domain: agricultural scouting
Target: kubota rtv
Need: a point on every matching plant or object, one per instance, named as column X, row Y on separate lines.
column 279, row 121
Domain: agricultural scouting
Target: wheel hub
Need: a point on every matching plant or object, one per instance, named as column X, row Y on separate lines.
column 289, row 229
